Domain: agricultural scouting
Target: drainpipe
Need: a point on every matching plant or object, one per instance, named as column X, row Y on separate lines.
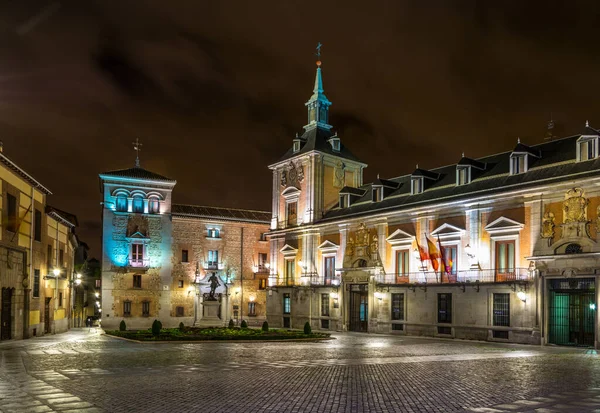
column 242, row 276
column 56, row 278
column 26, row 291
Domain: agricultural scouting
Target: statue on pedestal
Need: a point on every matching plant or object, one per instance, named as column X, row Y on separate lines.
column 214, row 284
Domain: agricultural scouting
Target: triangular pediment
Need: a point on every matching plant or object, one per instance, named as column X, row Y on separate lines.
column 447, row 230
column 328, row 246
column 137, row 235
column 503, row 225
column 288, row 250
column 400, row 237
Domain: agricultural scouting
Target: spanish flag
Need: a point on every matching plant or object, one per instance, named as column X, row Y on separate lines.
column 434, row 254
column 422, row 252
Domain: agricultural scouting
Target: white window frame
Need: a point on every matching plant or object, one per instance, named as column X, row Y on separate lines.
column 467, row 170
column 377, row 193
column 518, row 156
column 335, row 144
column 411, row 254
column 137, row 263
column 419, row 188
column 587, row 140
column 329, row 255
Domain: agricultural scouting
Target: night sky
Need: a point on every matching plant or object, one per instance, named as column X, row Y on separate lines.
column 215, row 90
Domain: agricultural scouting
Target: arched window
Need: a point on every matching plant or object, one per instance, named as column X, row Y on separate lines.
column 154, row 206
column 122, row 203
column 573, row 249
column 138, row 204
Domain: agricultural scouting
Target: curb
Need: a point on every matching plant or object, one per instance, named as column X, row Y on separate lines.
column 291, row 340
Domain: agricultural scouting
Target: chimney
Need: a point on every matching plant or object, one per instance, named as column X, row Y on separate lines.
column 1, row 146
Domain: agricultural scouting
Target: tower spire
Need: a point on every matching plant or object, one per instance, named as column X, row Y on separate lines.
column 137, row 147
column 318, row 104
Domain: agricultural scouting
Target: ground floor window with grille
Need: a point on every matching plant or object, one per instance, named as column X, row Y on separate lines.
column 146, row 308
column 60, row 303
column 444, row 312
column 251, row 309
column 398, row 306
column 126, row 308
column 325, row 305
column 179, row 311
column 501, row 313
column 36, row 283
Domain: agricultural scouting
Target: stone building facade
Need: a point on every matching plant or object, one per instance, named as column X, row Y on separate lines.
column 499, row 248
column 37, row 244
column 158, row 257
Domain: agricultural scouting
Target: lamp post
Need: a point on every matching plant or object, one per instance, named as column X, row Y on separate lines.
column 75, row 282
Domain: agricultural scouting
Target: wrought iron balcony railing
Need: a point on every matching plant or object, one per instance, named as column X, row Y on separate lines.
column 464, row 276
column 139, row 263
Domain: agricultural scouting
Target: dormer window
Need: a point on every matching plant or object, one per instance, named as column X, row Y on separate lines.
column 587, row 148
column 416, row 185
column 518, row 163
column 335, row 144
column 463, row 175
column 296, row 147
column 344, row 201
column 377, row 194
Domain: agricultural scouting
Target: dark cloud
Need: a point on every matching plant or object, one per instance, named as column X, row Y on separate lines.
column 216, row 90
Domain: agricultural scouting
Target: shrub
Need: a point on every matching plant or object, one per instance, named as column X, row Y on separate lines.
column 122, row 326
column 156, row 327
column 231, row 325
column 181, row 326
column 265, row 326
column 307, row 329
column 244, row 324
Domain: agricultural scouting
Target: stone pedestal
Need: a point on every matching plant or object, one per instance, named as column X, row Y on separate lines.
column 210, row 315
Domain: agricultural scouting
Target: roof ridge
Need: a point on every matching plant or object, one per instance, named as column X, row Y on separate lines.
column 233, row 209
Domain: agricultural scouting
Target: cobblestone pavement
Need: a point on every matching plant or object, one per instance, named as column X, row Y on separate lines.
column 84, row 371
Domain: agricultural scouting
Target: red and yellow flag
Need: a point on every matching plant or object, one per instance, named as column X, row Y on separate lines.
column 422, row 252
column 434, row 254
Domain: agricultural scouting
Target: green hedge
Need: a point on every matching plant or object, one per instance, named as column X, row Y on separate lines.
column 201, row 334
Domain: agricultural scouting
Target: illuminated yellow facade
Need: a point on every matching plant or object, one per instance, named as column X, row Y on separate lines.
column 35, row 242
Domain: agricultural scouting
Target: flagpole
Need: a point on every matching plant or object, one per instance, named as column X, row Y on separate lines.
column 421, row 258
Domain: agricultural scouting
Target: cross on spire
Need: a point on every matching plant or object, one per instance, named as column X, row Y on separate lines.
column 318, row 54
column 137, row 147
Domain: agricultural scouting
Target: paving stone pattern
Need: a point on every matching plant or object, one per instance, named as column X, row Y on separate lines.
column 84, row 371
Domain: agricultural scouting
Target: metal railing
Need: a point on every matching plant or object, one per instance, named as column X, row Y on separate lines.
column 139, row 263
column 463, row 276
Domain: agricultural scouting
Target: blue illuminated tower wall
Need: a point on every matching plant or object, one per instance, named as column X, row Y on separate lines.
column 136, row 249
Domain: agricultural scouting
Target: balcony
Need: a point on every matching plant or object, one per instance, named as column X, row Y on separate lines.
column 260, row 269
column 461, row 277
column 288, row 224
column 320, row 280
column 139, row 263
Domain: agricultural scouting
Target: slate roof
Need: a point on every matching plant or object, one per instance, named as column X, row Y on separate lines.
column 219, row 213
column 471, row 162
column 557, row 163
column 61, row 215
column 137, row 173
column 315, row 139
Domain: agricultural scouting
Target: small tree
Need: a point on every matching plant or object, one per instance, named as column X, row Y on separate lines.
column 122, row 326
column 231, row 324
column 265, row 326
column 156, row 327
column 307, row 329
column 181, row 326
column 244, row 324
